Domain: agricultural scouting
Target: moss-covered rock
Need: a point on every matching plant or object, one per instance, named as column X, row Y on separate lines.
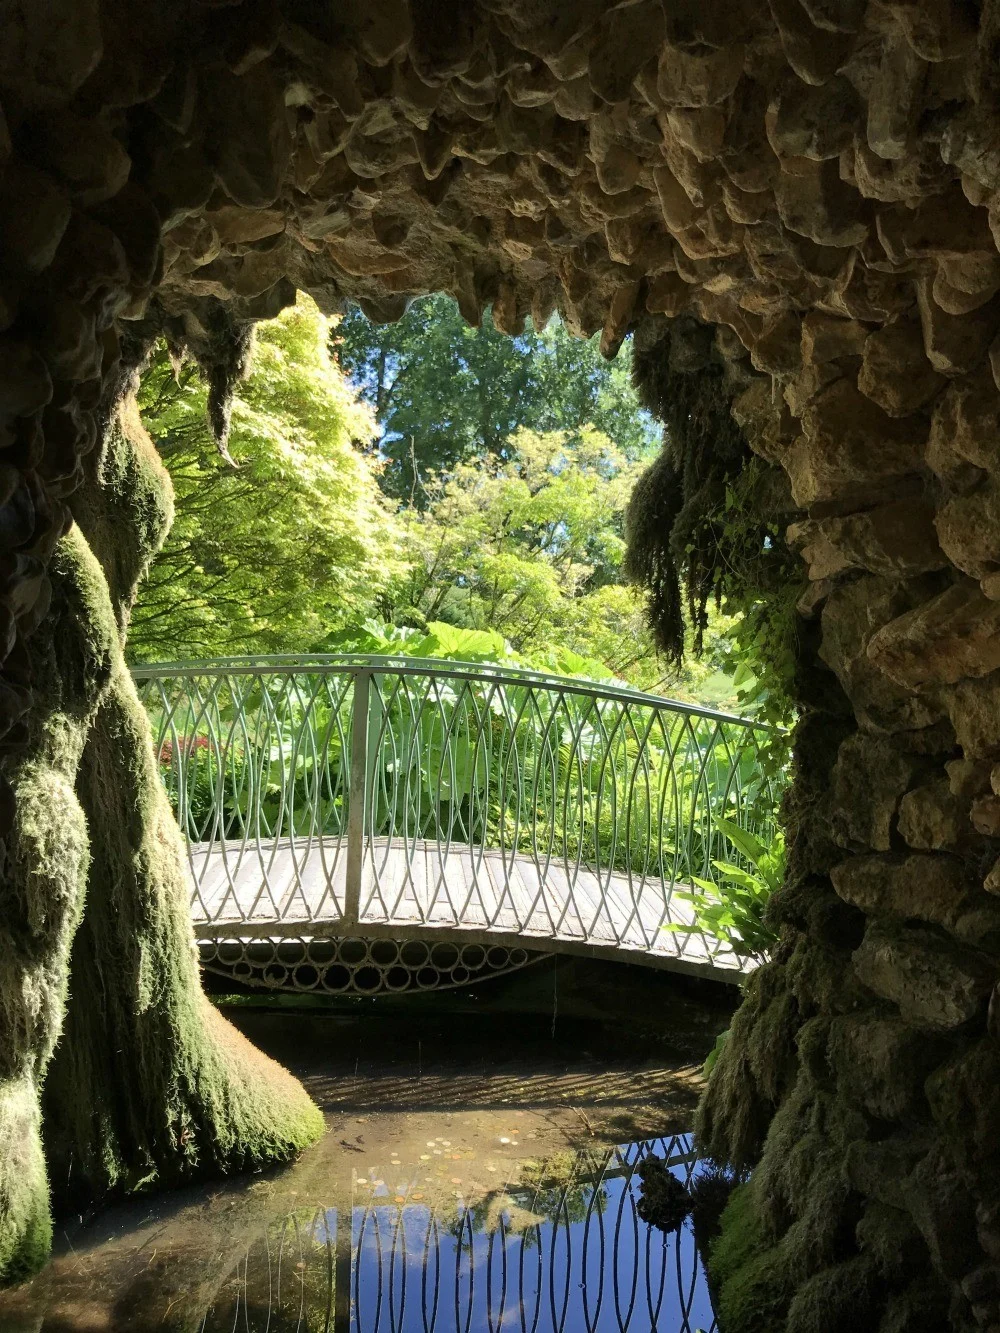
column 746, row 1270
column 42, row 891
column 752, row 1071
column 25, row 1225
column 150, row 1084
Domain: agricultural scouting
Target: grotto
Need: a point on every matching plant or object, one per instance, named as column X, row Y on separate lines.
column 794, row 208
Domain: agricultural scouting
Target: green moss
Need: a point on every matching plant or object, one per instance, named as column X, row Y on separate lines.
column 747, row 1271
column 128, row 513
column 44, row 884
column 922, row 1307
column 845, row 1296
column 25, row 1225
column 150, row 1085
column 793, row 1228
column 753, row 1070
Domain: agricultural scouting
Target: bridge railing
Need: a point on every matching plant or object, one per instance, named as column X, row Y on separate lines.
column 373, row 791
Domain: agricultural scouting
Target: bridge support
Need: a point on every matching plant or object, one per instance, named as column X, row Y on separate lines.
column 357, row 798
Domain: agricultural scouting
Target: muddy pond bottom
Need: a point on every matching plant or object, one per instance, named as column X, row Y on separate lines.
column 475, row 1177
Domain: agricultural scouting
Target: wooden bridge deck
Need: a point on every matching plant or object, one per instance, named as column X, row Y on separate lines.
column 423, row 889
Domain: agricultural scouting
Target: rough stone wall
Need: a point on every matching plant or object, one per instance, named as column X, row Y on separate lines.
column 820, row 179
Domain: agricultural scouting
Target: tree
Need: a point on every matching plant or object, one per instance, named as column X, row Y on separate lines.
column 529, row 544
column 272, row 552
column 444, row 392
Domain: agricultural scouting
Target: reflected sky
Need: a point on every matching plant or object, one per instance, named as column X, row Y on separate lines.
column 563, row 1251
column 468, row 1182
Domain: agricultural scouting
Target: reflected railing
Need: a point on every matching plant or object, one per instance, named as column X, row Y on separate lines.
column 566, row 1254
column 364, row 792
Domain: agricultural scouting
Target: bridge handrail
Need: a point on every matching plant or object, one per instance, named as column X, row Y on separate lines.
column 364, row 791
column 404, row 664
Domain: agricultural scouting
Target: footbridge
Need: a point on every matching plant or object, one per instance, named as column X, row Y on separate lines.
column 374, row 823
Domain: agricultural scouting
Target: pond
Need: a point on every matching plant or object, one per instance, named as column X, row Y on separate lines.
column 478, row 1175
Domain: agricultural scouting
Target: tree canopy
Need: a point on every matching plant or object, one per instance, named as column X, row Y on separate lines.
column 444, row 393
column 506, row 530
column 295, row 539
column 528, row 545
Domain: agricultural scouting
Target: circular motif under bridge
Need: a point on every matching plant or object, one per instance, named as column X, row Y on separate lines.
column 358, row 966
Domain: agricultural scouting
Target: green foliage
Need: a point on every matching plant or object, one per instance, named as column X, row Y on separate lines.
column 290, row 542
column 530, row 546
column 733, row 910
column 458, row 644
column 759, row 653
column 747, row 1270
column 714, row 1053
column 445, row 393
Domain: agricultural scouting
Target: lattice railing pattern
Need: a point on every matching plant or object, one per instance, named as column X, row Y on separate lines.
column 338, row 792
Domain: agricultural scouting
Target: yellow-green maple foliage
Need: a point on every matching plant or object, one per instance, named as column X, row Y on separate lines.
column 292, row 542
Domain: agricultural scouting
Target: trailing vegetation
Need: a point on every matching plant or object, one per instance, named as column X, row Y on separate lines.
column 705, row 526
column 704, row 533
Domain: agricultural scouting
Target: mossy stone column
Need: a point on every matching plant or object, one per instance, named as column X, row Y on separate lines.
column 149, row 1084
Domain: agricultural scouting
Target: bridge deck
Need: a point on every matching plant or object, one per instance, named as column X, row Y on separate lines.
column 421, row 889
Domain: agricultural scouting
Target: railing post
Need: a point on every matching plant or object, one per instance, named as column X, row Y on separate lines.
column 356, row 799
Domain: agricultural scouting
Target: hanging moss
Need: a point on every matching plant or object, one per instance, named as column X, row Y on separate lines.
column 702, row 525
column 225, row 360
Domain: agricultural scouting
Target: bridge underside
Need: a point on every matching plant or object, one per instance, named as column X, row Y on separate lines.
column 340, row 963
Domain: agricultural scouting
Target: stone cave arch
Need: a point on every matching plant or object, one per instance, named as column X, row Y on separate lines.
column 811, row 185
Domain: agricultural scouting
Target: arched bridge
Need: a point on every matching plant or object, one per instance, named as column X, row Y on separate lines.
column 368, row 823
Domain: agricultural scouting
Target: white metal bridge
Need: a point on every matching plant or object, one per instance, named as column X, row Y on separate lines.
column 372, row 823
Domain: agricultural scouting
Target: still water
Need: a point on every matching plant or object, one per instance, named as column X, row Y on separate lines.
column 454, row 1192
column 561, row 1249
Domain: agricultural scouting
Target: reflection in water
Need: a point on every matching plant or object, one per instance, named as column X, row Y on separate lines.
column 466, row 1184
column 563, row 1250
